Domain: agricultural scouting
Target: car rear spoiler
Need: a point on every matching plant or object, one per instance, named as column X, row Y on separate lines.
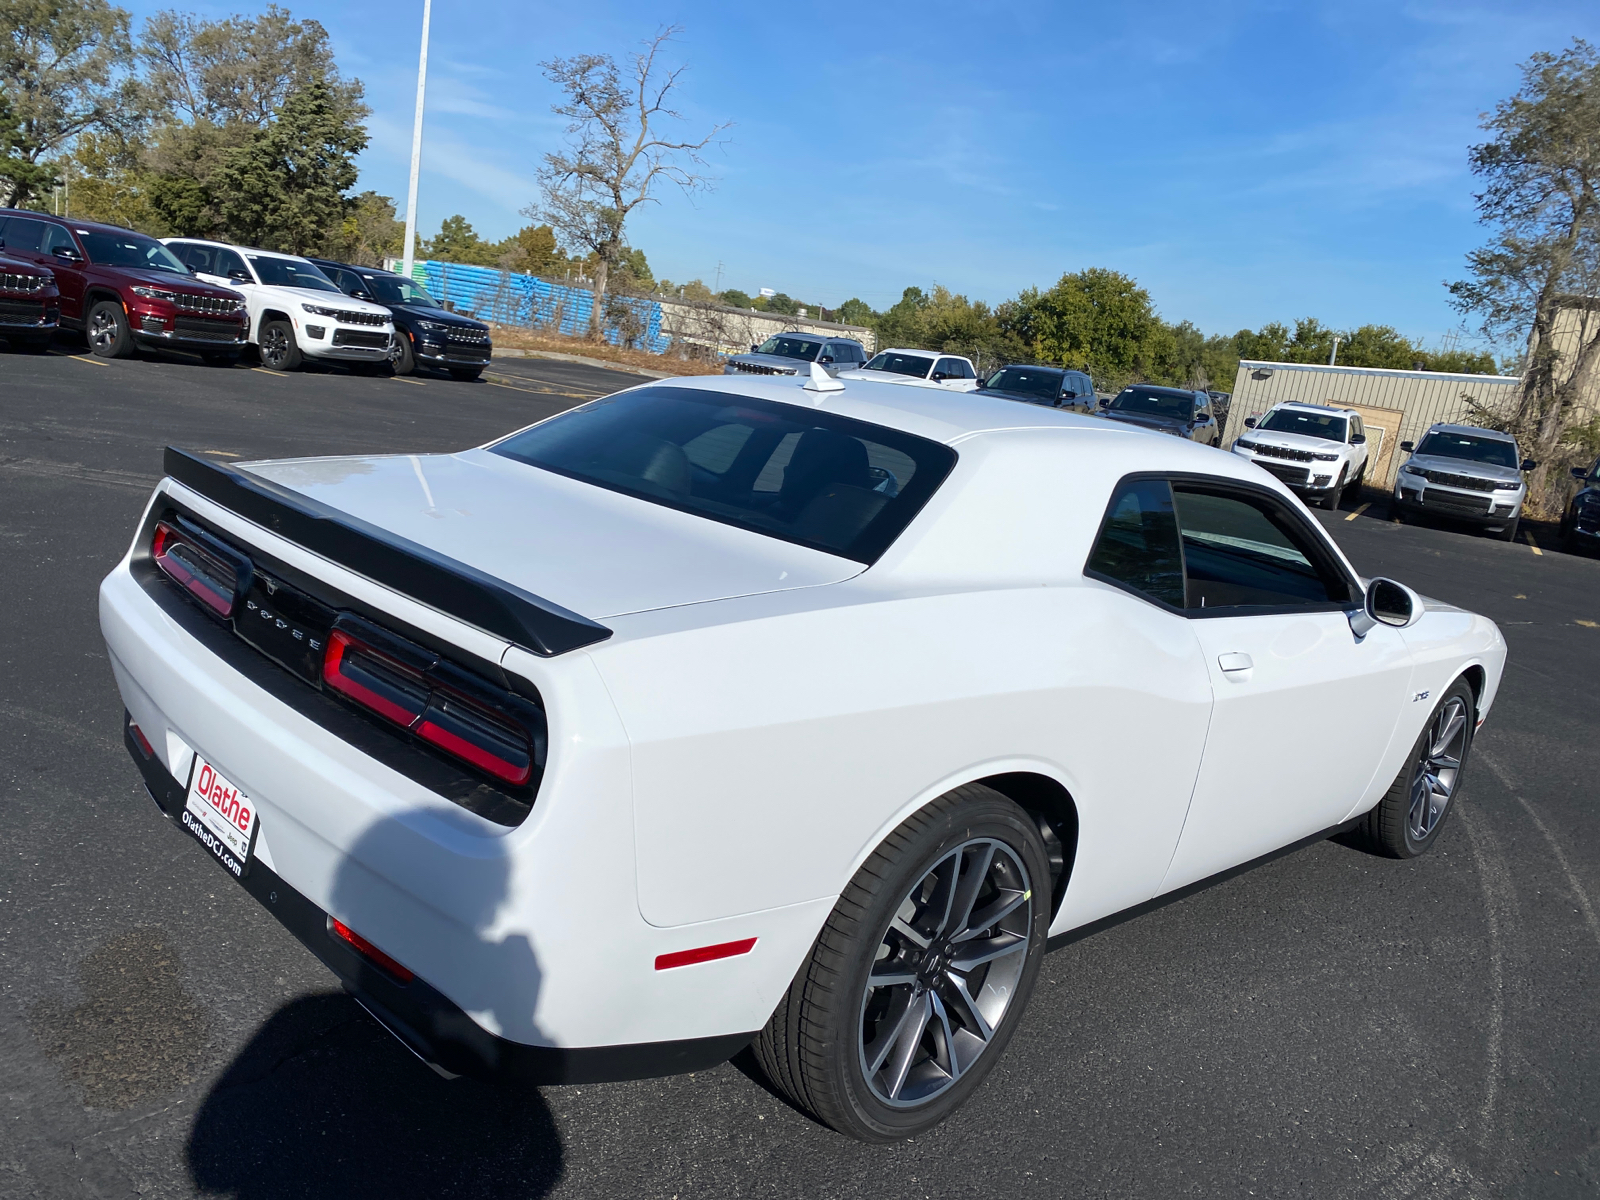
column 452, row 587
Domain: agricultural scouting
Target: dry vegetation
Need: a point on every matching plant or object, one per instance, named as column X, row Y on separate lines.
column 510, row 337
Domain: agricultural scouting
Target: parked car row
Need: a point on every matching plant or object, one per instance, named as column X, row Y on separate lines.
column 122, row 290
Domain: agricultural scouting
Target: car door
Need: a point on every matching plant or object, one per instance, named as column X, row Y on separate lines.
column 1139, row 736
column 1304, row 709
column 68, row 266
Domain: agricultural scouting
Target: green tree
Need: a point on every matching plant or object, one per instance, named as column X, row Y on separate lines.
column 734, row 298
column 458, row 242
column 65, row 68
column 369, row 232
column 532, row 250
column 783, row 303
column 1538, row 275
column 21, row 177
column 855, row 311
column 284, row 190
column 1096, row 320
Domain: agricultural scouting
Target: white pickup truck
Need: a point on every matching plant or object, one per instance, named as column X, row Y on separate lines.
column 295, row 310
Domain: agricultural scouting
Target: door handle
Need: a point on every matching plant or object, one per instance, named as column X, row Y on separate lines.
column 1233, row 664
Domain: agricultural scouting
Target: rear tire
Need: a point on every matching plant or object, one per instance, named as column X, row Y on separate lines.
column 949, row 918
column 1406, row 822
column 107, row 330
column 465, row 374
column 279, row 351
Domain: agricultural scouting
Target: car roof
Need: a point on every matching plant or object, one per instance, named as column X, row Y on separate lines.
column 344, row 266
column 1156, row 387
column 1320, row 408
column 239, row 248
column 69, row 222
column 1474, row 430
column 1040, row 367
column 934, row 413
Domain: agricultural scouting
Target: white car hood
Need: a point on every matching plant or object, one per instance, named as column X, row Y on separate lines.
column 596, row 552
column 292, row 298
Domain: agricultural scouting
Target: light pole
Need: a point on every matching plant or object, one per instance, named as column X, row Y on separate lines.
column 416, row 147
column 1332, row 358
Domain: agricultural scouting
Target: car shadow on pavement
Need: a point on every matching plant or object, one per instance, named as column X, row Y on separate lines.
column 324, row 1102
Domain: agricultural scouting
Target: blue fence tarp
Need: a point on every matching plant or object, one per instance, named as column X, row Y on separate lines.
column 507, row 298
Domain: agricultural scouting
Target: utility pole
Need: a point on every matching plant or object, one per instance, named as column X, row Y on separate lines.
column 416, row 147
column 1334, row 356
column 717, row 289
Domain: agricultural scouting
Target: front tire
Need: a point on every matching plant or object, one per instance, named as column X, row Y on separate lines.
column 1408, row 818
column 107, row 330
column 920, row 976
column 278, row 349
column 1330, row 502
column 1509, row 533
column 401, row 360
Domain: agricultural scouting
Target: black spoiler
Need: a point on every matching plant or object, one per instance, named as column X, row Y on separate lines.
column 425, row 575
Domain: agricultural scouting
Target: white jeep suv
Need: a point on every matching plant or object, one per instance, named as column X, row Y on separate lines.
column 296, row 312
column 927, row 368
column 1317, row 450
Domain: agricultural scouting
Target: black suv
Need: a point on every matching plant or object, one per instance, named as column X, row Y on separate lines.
column 1055, row 387
column 122, row 289
column 426, row 333
column 1580, row 524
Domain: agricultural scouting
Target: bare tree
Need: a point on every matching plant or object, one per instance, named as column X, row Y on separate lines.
column 1539, row 277
column 616, row 155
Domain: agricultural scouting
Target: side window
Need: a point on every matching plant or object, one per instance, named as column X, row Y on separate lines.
column 1138, row 546
column 857, row 355
column 1356, row 427
column 57, row 236
column 948, row 368
column 226, row 262
column 24, row 234
column 196, row 258
column 1241, row 552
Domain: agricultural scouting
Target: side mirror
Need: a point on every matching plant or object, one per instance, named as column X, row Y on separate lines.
column 1249, row 422
column 939, row 377
column 1386, row 603
column 1408, row 447
column 239, row 276
column 67, row 254
column 1105, row 404
column 826, row 358
column 1528, row 464
column 1581, row 474
column 1358, row 439
column 361, row 295
column 754, row 347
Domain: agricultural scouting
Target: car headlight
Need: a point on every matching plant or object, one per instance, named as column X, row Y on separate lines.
column 1241, row 444
column 318, row 310
column 1408, row 469
column 1508, row 487
column 1326, row 457
column 150, row 293
column 434, row 326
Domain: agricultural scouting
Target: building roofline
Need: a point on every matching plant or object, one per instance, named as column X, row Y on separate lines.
column 1283, row 366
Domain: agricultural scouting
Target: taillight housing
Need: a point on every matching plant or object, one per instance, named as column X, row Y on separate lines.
column 451, row 710
column 211, row 572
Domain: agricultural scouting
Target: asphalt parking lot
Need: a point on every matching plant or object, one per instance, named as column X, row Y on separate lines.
column 1328, row 1025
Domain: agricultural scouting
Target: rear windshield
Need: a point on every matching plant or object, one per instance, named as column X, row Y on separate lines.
column 835, row 484
column 1294, row 420
column 287, row 272
column 1472, row 449
column 1030, row 381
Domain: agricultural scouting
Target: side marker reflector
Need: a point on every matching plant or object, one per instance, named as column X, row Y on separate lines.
column 687, row 958
column 368, row 951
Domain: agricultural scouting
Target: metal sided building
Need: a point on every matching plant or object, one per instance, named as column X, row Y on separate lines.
column 1395, row 406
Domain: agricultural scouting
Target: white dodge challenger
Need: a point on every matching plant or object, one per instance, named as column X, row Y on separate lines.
column 790, row 711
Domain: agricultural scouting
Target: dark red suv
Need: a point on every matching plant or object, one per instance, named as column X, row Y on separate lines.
column 122, row 289
column 30, row 306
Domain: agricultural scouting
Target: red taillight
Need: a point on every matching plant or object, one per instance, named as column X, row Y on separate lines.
column 368, row 951
column 201, row 573
column 406, row 695
column 144, row 742
column 373, row 680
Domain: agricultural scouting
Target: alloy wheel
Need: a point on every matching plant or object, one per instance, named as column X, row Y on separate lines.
column 1438, row 767
column 275, row 346
column 945, row 972
column 103, row 330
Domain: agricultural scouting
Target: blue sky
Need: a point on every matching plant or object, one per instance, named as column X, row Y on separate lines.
column 1246, row 162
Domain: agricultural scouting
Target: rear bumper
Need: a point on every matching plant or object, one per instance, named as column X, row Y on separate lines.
column 432, row 1026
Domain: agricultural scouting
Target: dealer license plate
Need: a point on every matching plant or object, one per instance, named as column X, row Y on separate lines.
column 220, row 817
